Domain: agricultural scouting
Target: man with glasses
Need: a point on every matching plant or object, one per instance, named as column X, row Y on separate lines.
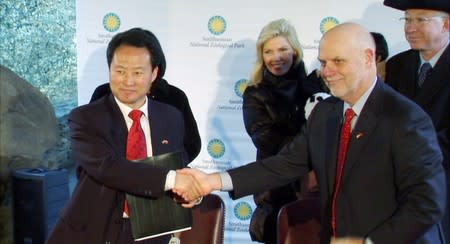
column 422, row 73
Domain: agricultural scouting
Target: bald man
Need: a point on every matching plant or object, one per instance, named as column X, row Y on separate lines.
column 387, row 189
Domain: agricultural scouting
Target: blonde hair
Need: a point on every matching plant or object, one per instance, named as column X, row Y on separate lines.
column 279, row 27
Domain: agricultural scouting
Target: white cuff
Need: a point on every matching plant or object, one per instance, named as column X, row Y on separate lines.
column 170, row 180
column 227, row 183
column 368, row 241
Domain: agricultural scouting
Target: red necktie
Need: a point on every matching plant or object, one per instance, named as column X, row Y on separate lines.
column 343, row 147
column 136, row 145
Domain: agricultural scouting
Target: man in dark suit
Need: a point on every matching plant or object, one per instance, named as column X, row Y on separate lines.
column 426, row 27
column 164, row 92
column 388, row 188
column 99, row 130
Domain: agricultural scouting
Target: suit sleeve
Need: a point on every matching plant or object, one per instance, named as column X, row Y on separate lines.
column 96, row 154
column 290, row 163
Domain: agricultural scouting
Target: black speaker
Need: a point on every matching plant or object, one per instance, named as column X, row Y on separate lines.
column 38, row 197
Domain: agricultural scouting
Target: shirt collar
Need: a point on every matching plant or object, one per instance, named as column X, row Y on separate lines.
column 434, row 59
column 358, row 106
column 126, row 110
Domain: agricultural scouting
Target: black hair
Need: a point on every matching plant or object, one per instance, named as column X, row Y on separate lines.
column 381, row 47
column 138, row 37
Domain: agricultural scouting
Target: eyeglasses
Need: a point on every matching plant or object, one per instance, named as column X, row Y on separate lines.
column 419, row 20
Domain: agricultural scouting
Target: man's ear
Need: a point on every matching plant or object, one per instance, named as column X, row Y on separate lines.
column 370, row 55
column 155, row 73
column 446, row 24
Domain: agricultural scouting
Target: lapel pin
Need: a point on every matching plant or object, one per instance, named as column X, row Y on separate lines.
column 165, row 142
column 359, row 135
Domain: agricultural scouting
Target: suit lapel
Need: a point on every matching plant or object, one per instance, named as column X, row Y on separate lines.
column 156, row 126
column 118, row 129
column 333, row 127
column 410, row 76
column 435, row 81
column 364, row 128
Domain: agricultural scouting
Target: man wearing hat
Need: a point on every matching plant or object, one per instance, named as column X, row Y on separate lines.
column 422, row 73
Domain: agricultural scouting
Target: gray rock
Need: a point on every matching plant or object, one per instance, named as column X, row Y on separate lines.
column 29, row 133
column 28, row 125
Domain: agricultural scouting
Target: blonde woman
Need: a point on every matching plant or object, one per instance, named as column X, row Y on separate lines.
column 273, row 110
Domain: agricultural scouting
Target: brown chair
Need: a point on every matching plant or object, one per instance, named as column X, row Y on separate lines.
column 208, row 222
column 299, row 221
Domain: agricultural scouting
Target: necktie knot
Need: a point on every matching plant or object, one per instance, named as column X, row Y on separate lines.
column 136, row 144
column 349, row 114
column 135, row 114
column 423, row 72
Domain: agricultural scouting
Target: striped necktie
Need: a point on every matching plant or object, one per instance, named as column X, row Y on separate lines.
column 424, row 70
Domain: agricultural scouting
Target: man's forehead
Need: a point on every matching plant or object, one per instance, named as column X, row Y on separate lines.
column 331, row 52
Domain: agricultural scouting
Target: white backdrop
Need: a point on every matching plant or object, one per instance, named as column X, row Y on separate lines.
column 210, row 50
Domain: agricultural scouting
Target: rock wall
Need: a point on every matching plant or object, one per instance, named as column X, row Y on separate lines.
column 30, row 136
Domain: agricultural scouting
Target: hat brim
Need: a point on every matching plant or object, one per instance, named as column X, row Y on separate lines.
column 438, row 5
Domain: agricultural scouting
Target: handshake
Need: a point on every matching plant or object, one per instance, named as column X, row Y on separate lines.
column 192, row 184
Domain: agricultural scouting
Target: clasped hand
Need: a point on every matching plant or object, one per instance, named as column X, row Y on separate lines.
column 191, row 184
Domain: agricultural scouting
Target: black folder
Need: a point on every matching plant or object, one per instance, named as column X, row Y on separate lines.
column 153, row 217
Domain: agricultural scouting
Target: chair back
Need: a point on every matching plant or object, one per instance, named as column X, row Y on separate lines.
column 208, row 222
column 299, row 221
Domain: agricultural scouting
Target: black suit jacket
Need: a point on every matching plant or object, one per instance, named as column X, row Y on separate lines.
column 98, row 140
column 162, row 91
column 434, row 97
column 393, row 177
